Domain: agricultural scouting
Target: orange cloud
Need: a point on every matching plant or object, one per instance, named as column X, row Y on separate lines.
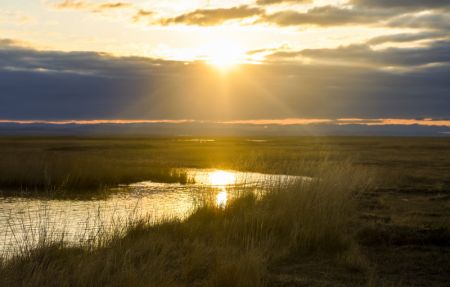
column 281, row 122
column 92, row 122
column 406, row 122
column 86, row 5
column 142, row 14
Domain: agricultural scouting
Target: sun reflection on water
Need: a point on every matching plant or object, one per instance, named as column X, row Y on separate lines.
column 221, row 178
column 222, row 198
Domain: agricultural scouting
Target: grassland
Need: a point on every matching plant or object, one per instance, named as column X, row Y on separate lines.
column 89, row 164
column 379, row 216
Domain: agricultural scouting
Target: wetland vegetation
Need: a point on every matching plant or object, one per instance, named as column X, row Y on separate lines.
column 376, row 212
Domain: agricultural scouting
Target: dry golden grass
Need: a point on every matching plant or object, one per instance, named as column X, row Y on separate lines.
column 232, row 246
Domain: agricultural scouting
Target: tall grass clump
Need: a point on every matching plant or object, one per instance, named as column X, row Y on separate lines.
column 237, row 245
column 78, row 174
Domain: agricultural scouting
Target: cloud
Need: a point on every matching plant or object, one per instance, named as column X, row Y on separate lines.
column 72, row 4
column 258, row 122
column 403, row 4
column 383, row 122
column 325, row 16
column 398, row 14
column 86, row 85
column 19, row 58
column 437, row 52
column 89, row 6
column 272, row 2
column 210, row 17
column 143, row 14
column 281, row 122
column 9, row 43
column 433, row 14
column 92, row 122
column 431, row 21
column 115, row 5
column 339, row 16
column 408, row 37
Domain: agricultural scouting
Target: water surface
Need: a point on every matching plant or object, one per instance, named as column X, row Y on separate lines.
column 26, row 221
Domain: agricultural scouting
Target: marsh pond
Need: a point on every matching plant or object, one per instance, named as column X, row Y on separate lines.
column 28, row 221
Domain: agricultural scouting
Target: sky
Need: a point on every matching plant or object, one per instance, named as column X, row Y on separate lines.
column 259, row 62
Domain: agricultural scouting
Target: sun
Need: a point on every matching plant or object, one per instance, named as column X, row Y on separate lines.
column 224, row 55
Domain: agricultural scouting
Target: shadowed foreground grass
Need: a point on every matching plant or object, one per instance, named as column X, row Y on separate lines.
column 238, row 245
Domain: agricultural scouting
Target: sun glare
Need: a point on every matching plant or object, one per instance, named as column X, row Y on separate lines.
column 221, row 178
column 222, row 198
column 224, row 55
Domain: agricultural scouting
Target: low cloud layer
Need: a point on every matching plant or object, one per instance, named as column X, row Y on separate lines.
column 362, row 54
column 80, row 86
column 256, row 122
column 436, row 52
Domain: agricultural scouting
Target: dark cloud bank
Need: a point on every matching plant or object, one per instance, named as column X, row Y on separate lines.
column 83, row 85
